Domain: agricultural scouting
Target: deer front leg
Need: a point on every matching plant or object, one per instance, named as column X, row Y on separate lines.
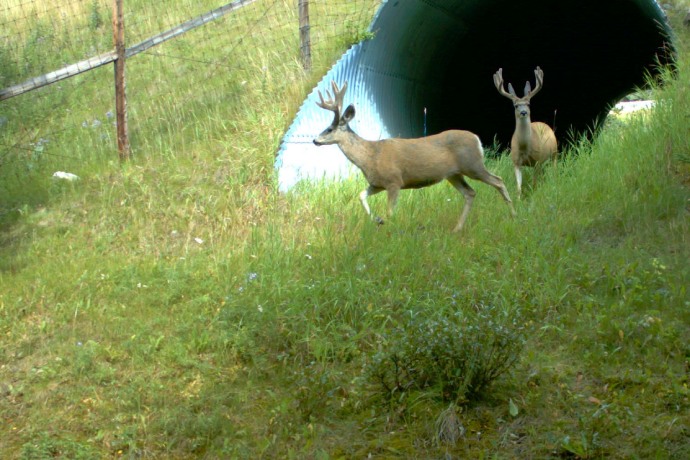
column 518, row 179
column 371, row 190
column 363, row 199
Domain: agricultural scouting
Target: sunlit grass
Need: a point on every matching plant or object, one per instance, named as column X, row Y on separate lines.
column 177, row 306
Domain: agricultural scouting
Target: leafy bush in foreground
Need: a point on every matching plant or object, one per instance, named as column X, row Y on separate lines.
column 459, row 356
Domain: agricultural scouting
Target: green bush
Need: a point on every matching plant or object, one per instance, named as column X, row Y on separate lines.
column 458, row 356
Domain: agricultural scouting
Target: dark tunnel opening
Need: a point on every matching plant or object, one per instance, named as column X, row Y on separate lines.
column 592, row 54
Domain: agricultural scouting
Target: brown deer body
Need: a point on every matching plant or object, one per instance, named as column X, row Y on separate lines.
column 396, row 164
column 533, row 143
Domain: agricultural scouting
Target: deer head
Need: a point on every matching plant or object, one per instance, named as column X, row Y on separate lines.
column 521, row 104
column 333, row 134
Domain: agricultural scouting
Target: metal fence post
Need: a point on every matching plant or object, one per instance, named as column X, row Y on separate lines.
column 120, row 94
column 305, row 40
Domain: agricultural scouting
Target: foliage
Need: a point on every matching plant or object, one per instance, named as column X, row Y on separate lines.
column 459, row 355
column 45, row 447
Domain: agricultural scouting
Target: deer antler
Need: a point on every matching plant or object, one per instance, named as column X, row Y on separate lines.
column 498, row 81
column 539, row 77
column 335, row 102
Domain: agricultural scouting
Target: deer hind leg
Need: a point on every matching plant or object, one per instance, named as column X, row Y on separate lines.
column 392, row 199
column 498, row 184
column 468, row 192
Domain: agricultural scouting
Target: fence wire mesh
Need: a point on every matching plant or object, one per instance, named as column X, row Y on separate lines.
column 222, row 60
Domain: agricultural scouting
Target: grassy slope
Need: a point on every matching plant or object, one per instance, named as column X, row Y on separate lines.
column 178, row 307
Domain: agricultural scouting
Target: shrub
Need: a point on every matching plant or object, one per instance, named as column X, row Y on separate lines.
column 458, row 356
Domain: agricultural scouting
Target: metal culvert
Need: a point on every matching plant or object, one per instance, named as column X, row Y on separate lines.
column 440, row 56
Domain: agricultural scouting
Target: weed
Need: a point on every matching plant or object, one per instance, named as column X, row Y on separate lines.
column 449, row 428
column 46, row 446
column 458, row 356
column 95, row 16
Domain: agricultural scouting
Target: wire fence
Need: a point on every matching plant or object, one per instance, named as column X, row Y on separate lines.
column 40, row 38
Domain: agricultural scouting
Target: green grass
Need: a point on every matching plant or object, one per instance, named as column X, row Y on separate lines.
column 177, row 306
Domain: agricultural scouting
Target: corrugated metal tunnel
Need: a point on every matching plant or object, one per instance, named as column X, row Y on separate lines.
column 440, row 55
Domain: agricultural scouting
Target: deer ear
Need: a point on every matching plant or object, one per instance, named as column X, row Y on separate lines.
column 528, row 89
column 348, row 114
column 511, row 90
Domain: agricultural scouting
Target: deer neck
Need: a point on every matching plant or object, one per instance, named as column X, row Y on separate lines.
column 523, row 133
column 358, row 150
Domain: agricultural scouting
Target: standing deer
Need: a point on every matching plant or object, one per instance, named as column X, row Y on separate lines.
column 395, row 164
column 533, row 142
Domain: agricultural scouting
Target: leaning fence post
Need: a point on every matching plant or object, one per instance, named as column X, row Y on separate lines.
column 120, row 95
column 305, row 40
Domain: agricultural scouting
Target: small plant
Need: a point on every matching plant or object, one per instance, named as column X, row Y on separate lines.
column 354, row 34
column 449, row 428
column 459, row 356
column 318, row 390
column 587, row 442
column 95, row 17
column 47, row 446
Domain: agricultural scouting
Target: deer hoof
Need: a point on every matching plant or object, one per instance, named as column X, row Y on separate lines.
column 378, row 220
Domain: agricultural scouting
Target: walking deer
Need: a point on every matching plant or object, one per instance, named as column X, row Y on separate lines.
column 533, row 142
column 396, row 164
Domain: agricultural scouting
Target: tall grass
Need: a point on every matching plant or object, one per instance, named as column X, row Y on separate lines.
column 178, row 307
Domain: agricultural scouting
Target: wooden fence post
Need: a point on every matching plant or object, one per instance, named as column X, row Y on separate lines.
column 305, row 40
column 120, row 94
